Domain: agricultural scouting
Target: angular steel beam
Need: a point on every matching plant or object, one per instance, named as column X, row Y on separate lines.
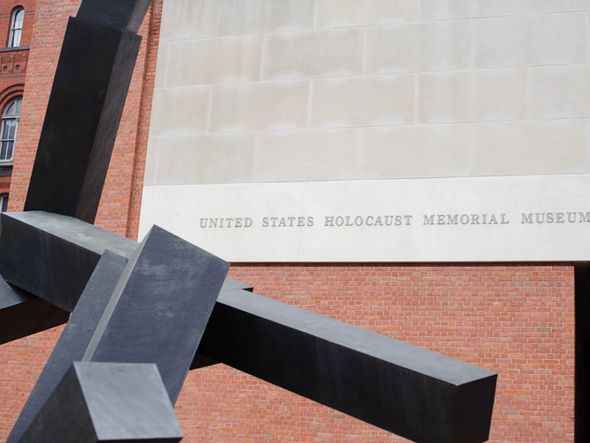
column 415, row 393
column 52, row 256
column 125, row 15
column 84, row 111
column 153, row 309
column 106, row 402
column 160, row 308
column 74, row 340
column 21, row 314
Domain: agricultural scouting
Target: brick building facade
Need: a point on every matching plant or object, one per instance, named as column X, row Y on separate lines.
column 16, row 28
column 516, row 319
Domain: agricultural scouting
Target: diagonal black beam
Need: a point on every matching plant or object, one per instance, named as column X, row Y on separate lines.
column 22, row 314
column 74, row 339
column 412, row 392
column 85, row 107
column 420, row 394
column 153, row 309
column 160, row 308
column 52, row 257
column 106, row 402
column 125, row 15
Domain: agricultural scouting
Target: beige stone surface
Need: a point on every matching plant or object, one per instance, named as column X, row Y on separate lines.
column 352, row 89
column 530, row 40
column 498, row 94
column 182, row 19
column 560, row 5
column 163, row 63
column 204, row 158
column 364, row 12
column 151, row 163
column 560, row 92
column 503, row 200
column 419, row 47
column 218, row 60
column 180, row 110
column 454, row 9
column 447, row 9
column 260, row 16
column 314, row 54
column 416, row 151
column 260, row 106
column 530, row 147
column 490, row 8
column 364, row 101
column 308, row 155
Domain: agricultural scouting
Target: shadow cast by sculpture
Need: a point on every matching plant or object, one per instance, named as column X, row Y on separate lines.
column 143, row 315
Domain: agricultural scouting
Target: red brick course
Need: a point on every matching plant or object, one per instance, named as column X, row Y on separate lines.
column 515, row 319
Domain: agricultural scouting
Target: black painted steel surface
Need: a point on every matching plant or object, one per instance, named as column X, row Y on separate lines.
column 125, row 15
column 106, row 402
column 282, row 344
column 82, row 119
column 421, row 395
column 160, row 308
column 22, row 314
column 74, row 340
column 52, row 256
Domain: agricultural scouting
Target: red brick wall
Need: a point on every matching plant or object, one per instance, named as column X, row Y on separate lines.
column 517, row 320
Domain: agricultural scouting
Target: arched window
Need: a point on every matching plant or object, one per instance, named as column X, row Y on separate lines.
column 9, row 129
column 17, row 19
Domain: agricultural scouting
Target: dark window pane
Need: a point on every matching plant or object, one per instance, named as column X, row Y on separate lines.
column 3, row 202
column 10, row 150
column 16, row 25
column 9, row 130
column 19, row 17
column 4, row 151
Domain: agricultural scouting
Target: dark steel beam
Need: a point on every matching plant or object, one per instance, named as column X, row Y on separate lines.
column 106, row 402
column 21, row 314
column 83, row 115
column 153, row 309
column 415, row 393
column 125, row 15
column 74, row 340
column 52, row 256
column 160, row 308
column 280, row 343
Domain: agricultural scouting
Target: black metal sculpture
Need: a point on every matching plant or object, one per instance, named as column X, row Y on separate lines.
column 144, row 314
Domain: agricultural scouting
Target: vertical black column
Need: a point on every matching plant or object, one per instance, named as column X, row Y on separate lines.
column 85, row 107
column 582, row 394
column 125, row 15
